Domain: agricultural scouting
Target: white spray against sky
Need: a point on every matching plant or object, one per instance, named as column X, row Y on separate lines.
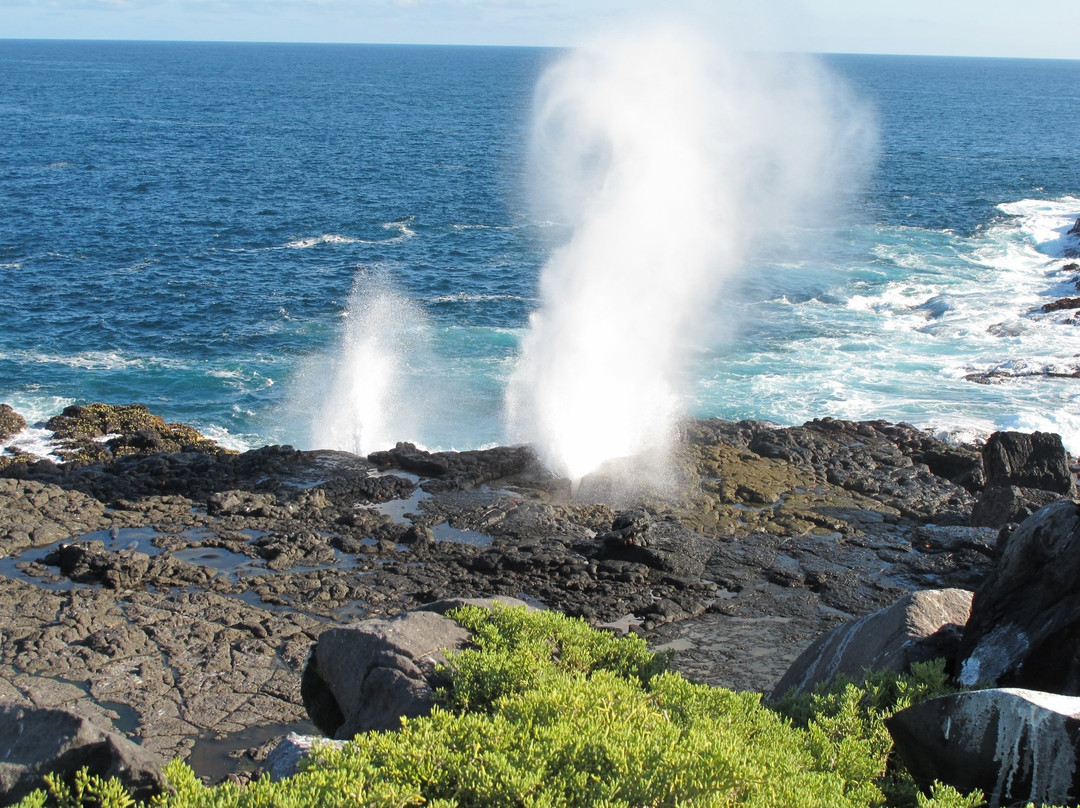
column 667, row 158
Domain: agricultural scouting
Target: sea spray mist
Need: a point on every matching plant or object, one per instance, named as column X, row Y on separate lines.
column 373, row 399
column 666, row 157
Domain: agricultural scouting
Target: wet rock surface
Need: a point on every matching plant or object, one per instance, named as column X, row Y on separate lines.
column 174, row 596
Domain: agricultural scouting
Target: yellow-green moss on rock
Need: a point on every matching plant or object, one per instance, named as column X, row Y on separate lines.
column 94, row 432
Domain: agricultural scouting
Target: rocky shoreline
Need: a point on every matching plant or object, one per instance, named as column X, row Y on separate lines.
column 171, row 590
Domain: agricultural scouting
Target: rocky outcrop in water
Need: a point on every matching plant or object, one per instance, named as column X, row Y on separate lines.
column 102, row 431
column 11, row 423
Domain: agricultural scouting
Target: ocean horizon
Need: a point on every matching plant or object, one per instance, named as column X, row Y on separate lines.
column 344, row 246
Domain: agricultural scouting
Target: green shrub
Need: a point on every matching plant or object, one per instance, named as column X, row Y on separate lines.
column 515, row 650
column 545, row 712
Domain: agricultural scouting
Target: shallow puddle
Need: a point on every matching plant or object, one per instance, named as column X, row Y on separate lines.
column 444, row 532
column 213, row 757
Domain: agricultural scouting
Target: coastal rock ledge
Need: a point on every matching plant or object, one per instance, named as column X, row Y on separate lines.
column 171, row 595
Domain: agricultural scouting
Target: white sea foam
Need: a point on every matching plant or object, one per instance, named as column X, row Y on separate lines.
column 630, row 132
column 34, row 440
column 97, row 360
column 402, row 226
column 1045, row 223
column 315, row 241
column 468, row 297
column 223, row 437
column 955, row 311
column 404, row 231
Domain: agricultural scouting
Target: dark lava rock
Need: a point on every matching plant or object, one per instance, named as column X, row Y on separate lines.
column 133, row 430
column 378, row 488
column 460, row 470
column 1062, row 304
column 34, row 514
column 1024, row 472
column 11, row 423
column 407, row 457
column 839, row 517
column 1035, row 460
column 240, row 503
column 369, row 675
column 919, row 627
column 660, row 542
column 90, row 563
column 36, row 741
column 1017, row 746
column 1024, row 629
column 1075, row 229
column 1007, row 505
column 896, row 464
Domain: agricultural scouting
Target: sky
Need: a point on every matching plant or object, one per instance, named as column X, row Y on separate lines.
column 1032, row 29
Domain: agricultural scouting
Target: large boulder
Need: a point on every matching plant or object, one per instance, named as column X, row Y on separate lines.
column 1017, row 746
column 1024, row 472
column 35, row 741
column 1024, row 629
column 369, row 675
column 917, row 628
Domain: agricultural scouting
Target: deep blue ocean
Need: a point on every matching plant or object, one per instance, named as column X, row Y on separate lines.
column 225, row 232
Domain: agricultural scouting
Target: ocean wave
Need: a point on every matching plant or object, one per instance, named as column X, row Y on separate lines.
column 224, row 438
column 1046, row 223
column 402, row 226
column 96, row 360
column 315, row 241
column 471, row 297
column 404, row 231
column 34, row 440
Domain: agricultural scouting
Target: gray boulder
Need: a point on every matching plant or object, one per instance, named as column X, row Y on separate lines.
column 35, row 741
column 1017, row 746
column 1024, row 472
column 369, row 675
column 1024, row 629
column 917, row 628
column 284, row 759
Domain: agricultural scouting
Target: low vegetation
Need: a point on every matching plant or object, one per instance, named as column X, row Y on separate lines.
column 546, row 711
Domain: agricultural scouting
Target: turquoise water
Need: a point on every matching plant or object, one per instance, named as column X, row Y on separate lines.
column 227, row 231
